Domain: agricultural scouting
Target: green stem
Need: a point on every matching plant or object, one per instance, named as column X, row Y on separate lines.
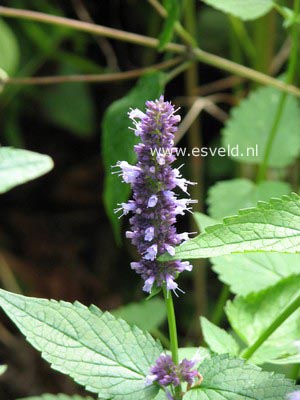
column 243, row 37
column 248, row 353
column 146, row 41
column 283, row 97
column 172, row 333
column 219, row 309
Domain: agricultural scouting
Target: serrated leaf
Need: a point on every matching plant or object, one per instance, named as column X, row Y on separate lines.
column 272, row 226
column 59, row 396
column 70, row 105
column 118, row 140
column 98, row 351
column 244, row 9
column 228, row 378
column 241, row 193
column 218, row 340
column 252, row 272
column 9, row 49
column 250, row 124
column 19, row 166
column 147, row 315
column 250, row 316
column 173, row 10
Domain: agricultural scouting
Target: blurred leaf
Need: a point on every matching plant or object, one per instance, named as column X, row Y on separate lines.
column 250, row 124
column 3, row 369
column 228, row 378
column 213, row 34
column 98, row 351
column 20, row 166
column 147, row 315
column 272, row 226
column 218, row 340
column 250, row 316
column 118, row 140
column 203, row 221
column 59, row 396
column 9, row 49
column 252, row 272
column 198, row 353
column 241, row 193
column 70, row 105
column 173, row 10
column 244, row 9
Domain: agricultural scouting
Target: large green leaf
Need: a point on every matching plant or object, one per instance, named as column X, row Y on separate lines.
column 147, row 315
column 250, row 124
column 70, row 105
column 9, row 49
column 59, row 396
column 244, row 9
column 250, row 316
column 98, row 351
column 118, row 140
column 218, row 340
column 173, row 10
column 272, row 226
column 252, row 272
column 228, row 378
column 241, row 193
column 20, row 166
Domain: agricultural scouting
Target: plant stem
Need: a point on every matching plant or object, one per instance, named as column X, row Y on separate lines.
column 248, row 353
column 100, row 78
column 218, row 312
column 172, row 333
column 194, row 138
column 117, row 34
column 283, row 97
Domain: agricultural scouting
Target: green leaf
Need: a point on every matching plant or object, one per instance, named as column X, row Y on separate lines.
column 252, row 272
column 250, row 316
column 9, row 49
column 56, row 397
column 228, row 378
column 218, row 340
column 3, row 369
column 20, row 166
column 147, row 315
column 173, row 10
column 272, row 226
column 244, row 9
column 98, row 351
column 118, row 141
column 203, row 220
column 70, row 105
column 250, row 124
column 241, row 193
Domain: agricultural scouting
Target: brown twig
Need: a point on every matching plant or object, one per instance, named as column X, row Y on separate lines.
column 100, row 78
column 199, row 54
column 103, row 43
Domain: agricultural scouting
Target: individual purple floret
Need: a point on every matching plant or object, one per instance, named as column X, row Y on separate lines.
column 294, row 396
column 155, row 205
column 165, row 372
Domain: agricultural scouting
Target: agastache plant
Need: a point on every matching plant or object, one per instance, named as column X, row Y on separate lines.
column 155, row 205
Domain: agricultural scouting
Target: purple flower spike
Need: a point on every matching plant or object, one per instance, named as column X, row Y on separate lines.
column 155, row 205
column 166, row 373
